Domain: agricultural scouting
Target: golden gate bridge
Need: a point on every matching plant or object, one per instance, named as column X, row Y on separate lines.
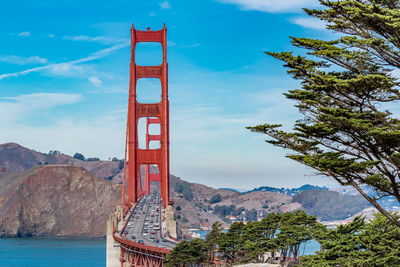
column 142, row 231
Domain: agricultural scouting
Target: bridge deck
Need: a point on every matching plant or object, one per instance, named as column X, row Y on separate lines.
column 142, row 224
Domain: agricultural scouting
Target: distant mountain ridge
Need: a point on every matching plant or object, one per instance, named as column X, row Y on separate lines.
column 234, row 190
column 287, row 191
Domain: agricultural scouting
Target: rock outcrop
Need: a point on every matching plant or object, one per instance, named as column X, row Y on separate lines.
column 56, row 201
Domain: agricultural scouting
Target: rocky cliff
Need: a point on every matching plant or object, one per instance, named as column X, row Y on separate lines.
column 56, row 201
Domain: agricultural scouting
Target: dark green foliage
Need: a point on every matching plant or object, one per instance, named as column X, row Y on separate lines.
column 185, row 188
column 185, row 220
column 296, row 228
column 284, row 232
column 249, row 242
column 346, row 85
column 251, row 215
column 187, row 253
column 179, row 186
column 359, row 244
column 92, row 159
column 121, row 164
column 224, row 210
column 178, row 208
column 114, row 159
column 216, row 198
column 232, row 243
column 54, row 152
column 329, row 205
column 79, row 156
column 188, row 193
column 238, row 211
column 212, row 240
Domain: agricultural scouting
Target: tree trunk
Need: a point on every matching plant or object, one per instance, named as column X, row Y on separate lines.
column 376, row 205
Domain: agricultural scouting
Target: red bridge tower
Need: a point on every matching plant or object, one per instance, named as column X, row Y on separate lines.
column 154, row 113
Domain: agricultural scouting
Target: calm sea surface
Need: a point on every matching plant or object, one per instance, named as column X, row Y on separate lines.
column 52, row 252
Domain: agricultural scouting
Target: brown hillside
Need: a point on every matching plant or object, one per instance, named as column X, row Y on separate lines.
column 276, row 202
column 56, row 201
column 199, row 212
column 16, row 158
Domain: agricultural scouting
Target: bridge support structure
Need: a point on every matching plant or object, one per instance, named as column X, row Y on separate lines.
column 154, row 113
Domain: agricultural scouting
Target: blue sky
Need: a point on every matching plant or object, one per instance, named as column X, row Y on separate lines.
column 64, row 73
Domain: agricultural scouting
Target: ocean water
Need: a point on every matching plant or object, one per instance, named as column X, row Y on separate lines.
column 20, row 252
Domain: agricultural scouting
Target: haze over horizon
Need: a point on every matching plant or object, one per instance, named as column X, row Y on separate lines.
column 64, row 74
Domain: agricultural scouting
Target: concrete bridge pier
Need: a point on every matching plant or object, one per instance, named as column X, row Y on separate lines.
column 113, row 249
column 170, row 221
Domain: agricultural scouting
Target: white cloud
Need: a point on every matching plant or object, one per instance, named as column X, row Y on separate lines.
column 171, row 43
column 95, row 81
column 68, row 70
column 272, row 5
column 190, row 45
column 24, row 34
column 99, row 39
column 165, row 4
column 67, row 67
column 15, row 108
column 309, row 22
column 13, row 59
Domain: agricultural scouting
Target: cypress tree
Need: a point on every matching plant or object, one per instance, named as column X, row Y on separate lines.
column 346, row 86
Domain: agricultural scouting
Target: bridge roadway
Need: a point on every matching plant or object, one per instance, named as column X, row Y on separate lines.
column 146, row 223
